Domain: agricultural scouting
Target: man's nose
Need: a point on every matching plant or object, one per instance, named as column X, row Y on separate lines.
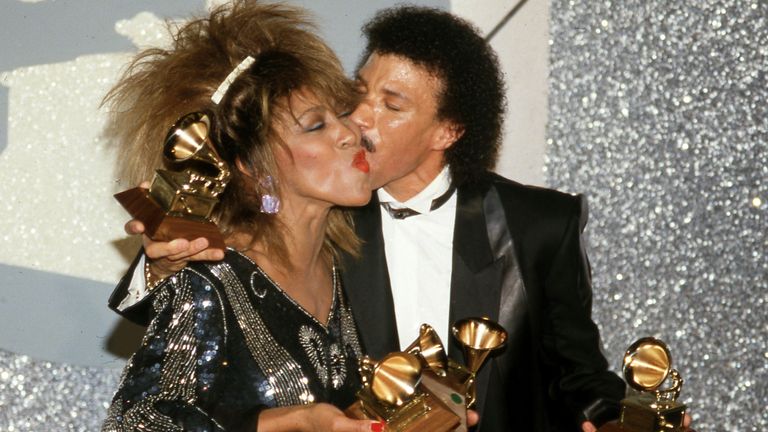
column 362, row 116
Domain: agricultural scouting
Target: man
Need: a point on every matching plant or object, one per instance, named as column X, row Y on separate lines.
column 446, row 239
column 432, row 97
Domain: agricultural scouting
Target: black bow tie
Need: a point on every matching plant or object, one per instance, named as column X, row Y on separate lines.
column 405, row 212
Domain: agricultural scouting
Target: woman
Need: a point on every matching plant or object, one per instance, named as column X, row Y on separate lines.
column 262, row 340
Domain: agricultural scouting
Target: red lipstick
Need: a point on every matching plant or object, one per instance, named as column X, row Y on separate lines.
column 360, row 163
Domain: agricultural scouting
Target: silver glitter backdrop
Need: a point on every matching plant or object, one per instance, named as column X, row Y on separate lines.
column 43, row 396
column 658, row 114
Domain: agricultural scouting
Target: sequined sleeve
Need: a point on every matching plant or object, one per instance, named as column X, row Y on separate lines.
column 168, row 383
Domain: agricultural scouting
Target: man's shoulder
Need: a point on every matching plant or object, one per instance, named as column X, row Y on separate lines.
column 535, row 201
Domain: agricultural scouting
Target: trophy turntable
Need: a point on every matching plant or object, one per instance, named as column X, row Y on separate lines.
column 421, row 388
column 179, row 204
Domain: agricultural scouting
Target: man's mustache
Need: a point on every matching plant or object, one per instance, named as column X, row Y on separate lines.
column 367, row 144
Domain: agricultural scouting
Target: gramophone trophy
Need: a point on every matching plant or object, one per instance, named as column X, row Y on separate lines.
column 478, row 337
column 179, row 204
column 420, row 389
column 646, row 367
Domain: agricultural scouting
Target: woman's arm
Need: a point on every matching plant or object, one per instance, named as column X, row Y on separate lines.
column 169, row 380
column 320, row 417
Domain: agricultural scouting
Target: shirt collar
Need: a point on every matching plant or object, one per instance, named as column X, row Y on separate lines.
column 422, row 201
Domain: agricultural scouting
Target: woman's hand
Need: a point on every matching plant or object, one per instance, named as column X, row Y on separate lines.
column 320, row 417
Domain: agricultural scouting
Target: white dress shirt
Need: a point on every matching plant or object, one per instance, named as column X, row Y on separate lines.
column 137, row 289
column 419, row 252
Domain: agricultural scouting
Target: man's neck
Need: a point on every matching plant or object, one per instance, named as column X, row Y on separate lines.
column 410, row 185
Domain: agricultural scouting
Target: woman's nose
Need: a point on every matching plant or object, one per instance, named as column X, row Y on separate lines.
column 349, row 133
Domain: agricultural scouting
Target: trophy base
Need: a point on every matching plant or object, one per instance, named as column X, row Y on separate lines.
column 444, row 389
column 159, row 225
column 641, row 414
column 425, row 412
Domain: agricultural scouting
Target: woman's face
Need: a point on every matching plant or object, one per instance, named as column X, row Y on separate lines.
column 321, row 160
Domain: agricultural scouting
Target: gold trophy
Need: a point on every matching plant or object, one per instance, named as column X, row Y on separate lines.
column 420, row 388
column 647, row 365
column 179, row 204
column 478, row 336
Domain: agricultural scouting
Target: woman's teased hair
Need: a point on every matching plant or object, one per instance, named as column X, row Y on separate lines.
column 161, row 85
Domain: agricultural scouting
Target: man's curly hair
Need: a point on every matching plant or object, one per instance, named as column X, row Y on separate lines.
column 472, row 84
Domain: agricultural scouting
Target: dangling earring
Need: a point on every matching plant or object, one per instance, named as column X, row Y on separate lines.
column 270, row 203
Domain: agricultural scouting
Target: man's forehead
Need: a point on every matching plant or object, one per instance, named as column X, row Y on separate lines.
column 397, row 68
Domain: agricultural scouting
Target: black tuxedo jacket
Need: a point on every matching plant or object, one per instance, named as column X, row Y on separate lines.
column 517, row 259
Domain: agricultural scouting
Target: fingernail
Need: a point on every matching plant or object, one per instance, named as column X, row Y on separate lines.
column 377, row 427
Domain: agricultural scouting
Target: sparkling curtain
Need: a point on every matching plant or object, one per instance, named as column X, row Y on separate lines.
column 658, row 114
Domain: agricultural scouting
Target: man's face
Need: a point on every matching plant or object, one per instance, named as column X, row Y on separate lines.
column 398, row 116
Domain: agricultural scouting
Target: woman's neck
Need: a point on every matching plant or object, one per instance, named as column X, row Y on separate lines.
column 307, row 277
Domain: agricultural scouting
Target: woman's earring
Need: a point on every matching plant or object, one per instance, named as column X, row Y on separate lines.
column 270, row 203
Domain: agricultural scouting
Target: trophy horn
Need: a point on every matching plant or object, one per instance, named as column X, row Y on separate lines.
column 189, row 140
column 647, row 364
column 478, row 337
column 429, row 347
column 396, row 377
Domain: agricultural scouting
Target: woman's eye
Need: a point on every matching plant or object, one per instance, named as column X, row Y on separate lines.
column 344, row 114
column 392, row 107
column 315, row 127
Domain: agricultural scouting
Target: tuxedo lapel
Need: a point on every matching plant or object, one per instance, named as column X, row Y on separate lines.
column 513, row 303
column 486, row 277
column 366, row 281
column 476, row 272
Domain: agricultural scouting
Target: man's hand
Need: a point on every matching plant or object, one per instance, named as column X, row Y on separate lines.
column 167, row 258
column 473, row 418
column 589, row 427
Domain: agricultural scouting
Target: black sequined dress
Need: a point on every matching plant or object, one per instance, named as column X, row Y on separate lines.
column 226, row 342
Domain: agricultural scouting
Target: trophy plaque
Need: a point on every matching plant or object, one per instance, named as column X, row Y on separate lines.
column 420, row 388
column 179, row 204
column 647, row 366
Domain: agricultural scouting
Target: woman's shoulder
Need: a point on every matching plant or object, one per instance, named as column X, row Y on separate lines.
column 210, row 282
column 199, row 285
column 217, row 273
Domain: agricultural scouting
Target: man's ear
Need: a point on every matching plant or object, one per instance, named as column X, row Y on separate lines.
column 448, row 133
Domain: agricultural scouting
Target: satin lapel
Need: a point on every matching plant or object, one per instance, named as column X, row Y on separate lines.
column 513, row 305
column 486, row 277
column 475, row 274
column 366, row 282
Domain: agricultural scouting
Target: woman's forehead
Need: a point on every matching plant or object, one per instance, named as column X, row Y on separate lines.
column 306, row 98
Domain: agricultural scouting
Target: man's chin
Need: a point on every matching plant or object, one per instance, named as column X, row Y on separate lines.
column 376, row 180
